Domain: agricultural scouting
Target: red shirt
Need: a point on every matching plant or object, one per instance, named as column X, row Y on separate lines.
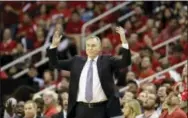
column 178, row 113
column 146, row 73
column 137, row 46
column 114, row 39
column 28, row 29
column 175, row 60
column 184, row 44
column 64, row 12
column 7, row 47
column 50, row 111
column 74, row 27
column 3, row 75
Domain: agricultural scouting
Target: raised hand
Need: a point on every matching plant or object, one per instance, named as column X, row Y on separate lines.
column 121, row 32
column 57, row 36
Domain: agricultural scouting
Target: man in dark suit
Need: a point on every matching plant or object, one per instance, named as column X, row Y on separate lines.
column 92, row 92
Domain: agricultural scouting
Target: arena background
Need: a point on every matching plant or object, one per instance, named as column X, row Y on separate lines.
column 156, row 32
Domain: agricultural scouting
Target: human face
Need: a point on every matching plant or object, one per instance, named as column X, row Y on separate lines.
column 20, row 108
column 132, row 88
column 162, row 94
column 145, row 62
column 47, row 99
column 131, row 75
column 29, row 110
column 7, row 34
column 142, row 97
column 150, row 101
column 47, row 77
column 65, row 96
column 128, row 96
column 93, row 47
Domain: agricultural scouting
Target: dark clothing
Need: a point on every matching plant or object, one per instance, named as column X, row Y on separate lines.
column 105, row 66
column 84, row 111
column 58, row 115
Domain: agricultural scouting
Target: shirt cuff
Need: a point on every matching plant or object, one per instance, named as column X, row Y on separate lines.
column 125, row 45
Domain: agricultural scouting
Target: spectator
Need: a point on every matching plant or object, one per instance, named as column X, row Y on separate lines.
column 146, row 68
column 88, row 12
column 63, row 85
column 134, row 43
column 20, row 109
column 130, row 76
column 184, row 42
column 142, row 97
column 184, row 94
column 64, row 106
column 173, row 109
column 33, row 76
column 30, row 109
column 48, row 78
column 50, row 103
column 26, row 29
column 74, row 24
column 132, row 87
column 149, row 106
column 10, row 107
column 131, row 108
column 127, row 96
column 61, row 10
column 40, row 106
column 162, row 93
column 7, row 46
column 107, row 47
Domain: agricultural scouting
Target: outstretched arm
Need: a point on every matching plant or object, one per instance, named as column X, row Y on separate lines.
column 52, row 51
column 125, row 60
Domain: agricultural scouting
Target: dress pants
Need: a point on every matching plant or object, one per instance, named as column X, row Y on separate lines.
column 83, row 111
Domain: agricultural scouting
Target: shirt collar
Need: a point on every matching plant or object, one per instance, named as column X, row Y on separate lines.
column 95, row 59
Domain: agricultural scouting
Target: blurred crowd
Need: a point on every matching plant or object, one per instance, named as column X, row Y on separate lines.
column 27, row 26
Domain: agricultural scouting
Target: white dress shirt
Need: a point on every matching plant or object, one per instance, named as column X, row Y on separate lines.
column 154, row 115
column 65, row 114
column 98, row 93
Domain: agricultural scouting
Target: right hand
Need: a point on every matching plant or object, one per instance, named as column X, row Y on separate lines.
column 56, row 37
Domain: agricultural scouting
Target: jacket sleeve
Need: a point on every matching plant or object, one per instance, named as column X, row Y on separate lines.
column 56, row 63
column 122, row 62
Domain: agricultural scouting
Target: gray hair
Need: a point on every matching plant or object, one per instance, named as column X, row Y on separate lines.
column 94, row 37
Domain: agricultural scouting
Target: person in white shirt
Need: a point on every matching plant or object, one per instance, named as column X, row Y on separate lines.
column 92, row 91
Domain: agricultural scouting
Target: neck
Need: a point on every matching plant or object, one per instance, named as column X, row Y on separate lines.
column 172, row 109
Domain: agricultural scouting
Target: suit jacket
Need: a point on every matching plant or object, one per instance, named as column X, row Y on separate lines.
column 105, row 65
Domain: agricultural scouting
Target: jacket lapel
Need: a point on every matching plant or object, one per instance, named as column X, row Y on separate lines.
column 99, row 67
column 80, row 67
